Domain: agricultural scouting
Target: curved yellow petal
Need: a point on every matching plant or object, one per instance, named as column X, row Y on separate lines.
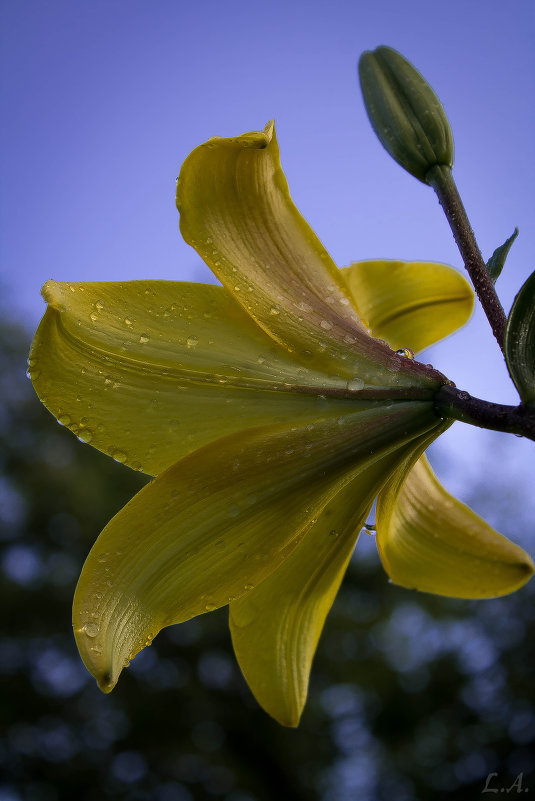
column 148, row 371
column 219, row 521
column 276, row 626
column 236, row 211
column 431, row 542
column 410, row 304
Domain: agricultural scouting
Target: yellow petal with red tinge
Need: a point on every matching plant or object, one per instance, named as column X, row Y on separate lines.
column 236, row 211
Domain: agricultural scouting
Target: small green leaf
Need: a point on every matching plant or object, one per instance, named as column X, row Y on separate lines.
column 497, row 261
column 520, row 341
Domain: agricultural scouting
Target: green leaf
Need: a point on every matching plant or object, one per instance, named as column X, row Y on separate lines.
column 520, row 341
column 497, row 261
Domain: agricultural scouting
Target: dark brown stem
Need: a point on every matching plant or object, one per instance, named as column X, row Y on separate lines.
column 441, row 179
column 454, row 403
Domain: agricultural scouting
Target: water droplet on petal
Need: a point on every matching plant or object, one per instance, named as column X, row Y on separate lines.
column 354, row 384
column 99, row 306
column 326, row 325
column 275, row 310
column 248, row 587
column 191, row 342
column 143, row 339
column 64, row 419
column 407, row 352
column 119, row 456
column 210, row 607
column 93, row 317
column 91, row 629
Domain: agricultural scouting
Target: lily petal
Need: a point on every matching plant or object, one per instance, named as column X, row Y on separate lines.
column 236, row 211
column 276, row 627
column 410, row 304
column 431, row 542
column 148, row 371
column 214, row 525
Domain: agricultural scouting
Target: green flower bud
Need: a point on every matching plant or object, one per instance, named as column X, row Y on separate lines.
column 405, row 113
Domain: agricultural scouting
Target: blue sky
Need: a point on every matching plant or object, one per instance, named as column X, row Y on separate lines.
column 103, row 100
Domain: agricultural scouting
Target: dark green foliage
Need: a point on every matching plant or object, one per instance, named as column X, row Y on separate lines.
column 519, row 342
column 412, row 697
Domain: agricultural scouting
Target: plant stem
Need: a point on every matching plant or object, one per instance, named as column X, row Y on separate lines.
column 441, row 179
column 454, row 403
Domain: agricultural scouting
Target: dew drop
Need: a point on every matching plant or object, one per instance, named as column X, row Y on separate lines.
column 354, row 384
column 91, row 629
column 119, row 456
column 64, row 419
column 128, row 322
column 143, row 339
column 93, row 317
column 248, row 587
column 407, row 352
column 210, row 607
column 99, row 306
column 275, row 310
column 326, row 325
column 192, row 342
column 86, row 436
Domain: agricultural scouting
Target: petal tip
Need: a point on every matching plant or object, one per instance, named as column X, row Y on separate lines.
column 52, row 293
column 106, row 683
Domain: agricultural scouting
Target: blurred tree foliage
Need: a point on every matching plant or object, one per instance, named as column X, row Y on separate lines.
column 412, row 696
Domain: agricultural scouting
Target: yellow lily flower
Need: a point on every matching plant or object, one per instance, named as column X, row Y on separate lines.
column 272, row 412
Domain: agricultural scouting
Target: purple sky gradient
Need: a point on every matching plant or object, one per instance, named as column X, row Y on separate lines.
column 102, row 101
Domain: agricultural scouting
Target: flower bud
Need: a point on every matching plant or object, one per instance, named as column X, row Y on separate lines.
column 405, row 113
